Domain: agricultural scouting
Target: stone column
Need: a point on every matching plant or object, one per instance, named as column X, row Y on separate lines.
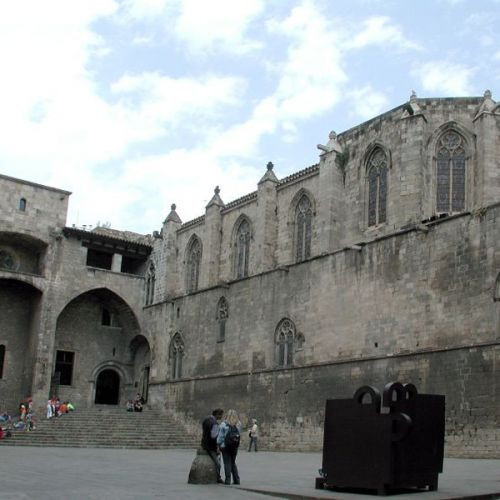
column 44, row 341
column 329, row 217
column 487, row 175
column 266, row 223
column 209, row 272
column 406, row 195
column 168, row 272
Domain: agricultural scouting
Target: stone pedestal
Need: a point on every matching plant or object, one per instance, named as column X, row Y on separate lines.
column 203, row 469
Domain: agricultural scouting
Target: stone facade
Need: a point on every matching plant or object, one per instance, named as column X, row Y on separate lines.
column 379, row 263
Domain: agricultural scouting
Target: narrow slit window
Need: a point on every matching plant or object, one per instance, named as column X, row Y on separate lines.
column 377, row 188
column 2, row 359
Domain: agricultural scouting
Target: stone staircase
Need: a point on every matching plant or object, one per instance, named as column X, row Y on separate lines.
column 106, row 427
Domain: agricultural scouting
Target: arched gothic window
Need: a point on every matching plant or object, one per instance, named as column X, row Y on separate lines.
column 176, row 355
column 377, row 187
column 2, row 359
column 242, row 253
column 285, row 337
column 303, row 228
column 222, row 315
column 451, row 173
column 150, row 285
column 193, row 265
column 22, row 204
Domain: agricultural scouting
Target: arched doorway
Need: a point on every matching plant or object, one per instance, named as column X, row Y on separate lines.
column 107, row 388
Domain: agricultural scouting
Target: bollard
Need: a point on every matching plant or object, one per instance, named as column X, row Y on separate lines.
column 203, row 469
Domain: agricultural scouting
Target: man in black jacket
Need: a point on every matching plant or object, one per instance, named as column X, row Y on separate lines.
column 210, row 429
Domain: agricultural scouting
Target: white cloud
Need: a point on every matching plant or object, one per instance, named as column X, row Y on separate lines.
column 203, row 26
column 368, row 102
column 218, row 23
column 55, row 128
column 445, row 77
column 379, row 30
column 309, row 84
column 146, row 10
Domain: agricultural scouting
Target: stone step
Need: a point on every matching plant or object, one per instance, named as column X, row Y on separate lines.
column 107, row 428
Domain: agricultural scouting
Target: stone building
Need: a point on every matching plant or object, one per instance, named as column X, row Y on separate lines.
column 379, row 263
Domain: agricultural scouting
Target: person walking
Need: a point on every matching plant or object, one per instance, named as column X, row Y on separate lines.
column 253, row 433
column 228, row 441
column 210, row 431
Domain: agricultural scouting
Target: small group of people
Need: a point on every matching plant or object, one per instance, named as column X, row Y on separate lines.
column 56, row 407
column 5, row 425
column 25, row 421
column 221, row 435
column 137, row 404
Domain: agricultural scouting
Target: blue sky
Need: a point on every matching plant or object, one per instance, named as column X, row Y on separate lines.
column 137, row 104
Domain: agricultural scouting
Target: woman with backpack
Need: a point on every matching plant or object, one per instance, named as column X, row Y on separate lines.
column 228, row 441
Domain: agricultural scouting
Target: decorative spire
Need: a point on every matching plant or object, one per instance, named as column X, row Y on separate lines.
column 173, row 216
column 216, row 199
column 269, row 175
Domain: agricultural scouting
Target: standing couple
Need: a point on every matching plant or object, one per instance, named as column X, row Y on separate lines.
column 223, row 434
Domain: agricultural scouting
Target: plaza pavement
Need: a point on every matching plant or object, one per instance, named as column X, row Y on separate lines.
column 114, row 474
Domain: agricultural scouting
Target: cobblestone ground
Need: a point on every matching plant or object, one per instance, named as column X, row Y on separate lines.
column 48, row 473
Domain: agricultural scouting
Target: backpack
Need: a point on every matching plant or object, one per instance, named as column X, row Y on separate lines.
column 232, row 438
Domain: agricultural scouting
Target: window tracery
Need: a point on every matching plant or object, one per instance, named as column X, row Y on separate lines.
column 303, row 224
column 285, row 337
column 176, row 355
column 451, row 172
column 193, row 265
column 222, row 316
column 377, row 188
column 242, row 249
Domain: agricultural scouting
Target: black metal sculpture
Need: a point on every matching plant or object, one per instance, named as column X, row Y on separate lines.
column 398, row 446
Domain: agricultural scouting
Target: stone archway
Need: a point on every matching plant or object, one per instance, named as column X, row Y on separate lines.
column 20, row 305
column 107, row 387
column 93, row 334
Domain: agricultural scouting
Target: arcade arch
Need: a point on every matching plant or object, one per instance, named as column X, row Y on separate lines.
column 20, row 305
column 94, row 333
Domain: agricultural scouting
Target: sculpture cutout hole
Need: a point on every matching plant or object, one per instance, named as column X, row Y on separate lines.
column 366, row 399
